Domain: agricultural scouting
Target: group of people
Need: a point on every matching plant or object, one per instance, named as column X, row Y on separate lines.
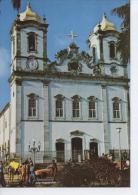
column 25, row 172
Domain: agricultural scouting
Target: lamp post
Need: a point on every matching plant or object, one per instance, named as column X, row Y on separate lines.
column 119, row 131
column 33, row 149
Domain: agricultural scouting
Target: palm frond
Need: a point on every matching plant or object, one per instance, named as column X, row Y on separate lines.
column 123, row 44
column 16, row 4
column 124, row 13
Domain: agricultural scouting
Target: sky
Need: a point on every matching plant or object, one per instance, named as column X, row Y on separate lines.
column 63, row 16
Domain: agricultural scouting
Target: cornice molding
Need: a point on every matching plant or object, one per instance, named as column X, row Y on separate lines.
column 4, row 109
column 84, row 76
column 39, row 74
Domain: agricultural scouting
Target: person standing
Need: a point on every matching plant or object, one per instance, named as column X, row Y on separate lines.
column 10, row 174
column 54, row 169
column 23, row 172
column 30, row 161
column 32, row 178
column 20, row 173
column 27, row 173
column 2, row 180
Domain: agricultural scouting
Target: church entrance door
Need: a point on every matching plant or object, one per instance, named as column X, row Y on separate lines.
column 76, row 144
column 60, row 154
column 93, row 149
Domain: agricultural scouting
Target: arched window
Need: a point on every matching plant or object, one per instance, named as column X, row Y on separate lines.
column 92, row 107
column 112, row 50
column 116, row 107
column 59, row 105
column 32, row 42
column 76, row 106
column 32, row 105
column 94, row 54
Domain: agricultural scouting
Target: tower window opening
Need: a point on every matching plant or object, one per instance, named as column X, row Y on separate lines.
column 13, row 45
column 32, row 42
column 94, row 54
column 112, row 50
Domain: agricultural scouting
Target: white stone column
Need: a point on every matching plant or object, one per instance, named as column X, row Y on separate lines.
column 19, row 138
column 18, row 41
column 105, row 119
column 46, row 120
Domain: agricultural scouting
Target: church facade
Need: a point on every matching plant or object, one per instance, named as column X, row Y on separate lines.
column 69, row 108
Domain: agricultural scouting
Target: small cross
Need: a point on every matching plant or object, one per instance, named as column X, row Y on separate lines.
column 28, row 3
column 72, row 35
column 104, row 15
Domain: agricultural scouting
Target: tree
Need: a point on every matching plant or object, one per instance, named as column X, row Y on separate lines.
column 16, row 4
column 123, row 44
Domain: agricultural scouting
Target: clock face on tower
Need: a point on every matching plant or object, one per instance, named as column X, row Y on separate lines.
column 32, row 63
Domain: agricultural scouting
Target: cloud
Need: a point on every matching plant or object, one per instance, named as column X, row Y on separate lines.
column 4, row 61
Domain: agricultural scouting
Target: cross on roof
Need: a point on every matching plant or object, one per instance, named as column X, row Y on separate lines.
column 72, row 35
column 28, row 1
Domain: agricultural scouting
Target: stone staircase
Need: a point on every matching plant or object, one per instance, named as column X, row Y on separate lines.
column 39, row 182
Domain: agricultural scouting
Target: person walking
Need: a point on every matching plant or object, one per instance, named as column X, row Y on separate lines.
column 2, row 180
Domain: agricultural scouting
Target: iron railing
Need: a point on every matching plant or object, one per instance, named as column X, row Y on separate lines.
column 60, row 156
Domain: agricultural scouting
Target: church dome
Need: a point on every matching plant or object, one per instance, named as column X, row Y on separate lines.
column 28, row 14
column 105, row 25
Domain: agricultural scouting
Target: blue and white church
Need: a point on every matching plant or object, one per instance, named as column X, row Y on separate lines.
column 70, row 108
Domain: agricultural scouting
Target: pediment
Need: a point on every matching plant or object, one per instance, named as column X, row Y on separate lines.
column 94, row 140
column 60, row 140
column 77, row 133
column 72, row 59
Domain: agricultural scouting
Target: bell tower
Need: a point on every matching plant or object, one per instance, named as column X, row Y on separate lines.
column 28, row 62
column 103, row 42
column 28, row 42
column 108, row 66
